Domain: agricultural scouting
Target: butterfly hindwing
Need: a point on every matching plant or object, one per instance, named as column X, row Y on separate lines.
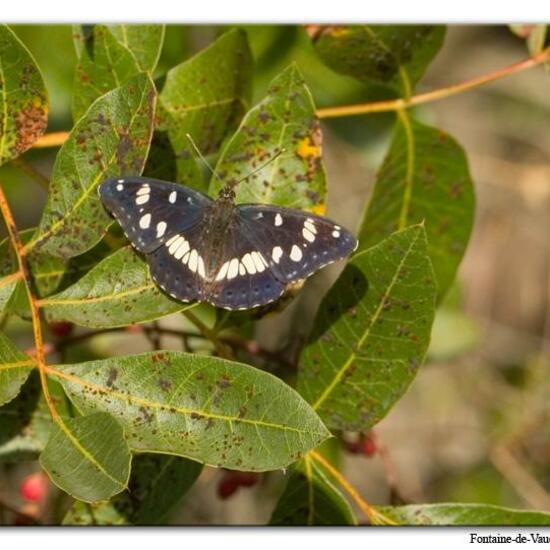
column 242, row 278
column 151, row 211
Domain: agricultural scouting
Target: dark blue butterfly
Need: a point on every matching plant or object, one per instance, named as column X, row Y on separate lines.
column 232, row 256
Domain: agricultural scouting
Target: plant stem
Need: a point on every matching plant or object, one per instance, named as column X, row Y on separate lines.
column 434, row 95
column 53, row 139
column 374, row 517
column 222, row 349
column 37, row 329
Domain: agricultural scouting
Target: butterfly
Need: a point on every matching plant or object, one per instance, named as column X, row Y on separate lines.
column 233, row 256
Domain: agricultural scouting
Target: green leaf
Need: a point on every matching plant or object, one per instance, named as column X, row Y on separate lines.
column 104, row 64
column 424, row 178
column 157, row 484
column 7, row 288
column 111, row 139
column 15, row 367
column 23, row 98
column 144, row 41
column 206, row 97
column 283, row 122
column 463, row 514
column 103, row 298
column 391, row 55
column 211, row 410
column 371, row 333
column 310, row 498
column 88, row 457
column 25, row 421
column 49, row 274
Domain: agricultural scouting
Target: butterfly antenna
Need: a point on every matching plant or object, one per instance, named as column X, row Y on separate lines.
column 201, row 156
column 262, row 166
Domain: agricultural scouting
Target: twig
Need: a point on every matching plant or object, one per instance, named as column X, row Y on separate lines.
column 434, row 95
column 374, row 517
column 222, row 349
column 53, row 139
column 519, row 478
column 37, row 329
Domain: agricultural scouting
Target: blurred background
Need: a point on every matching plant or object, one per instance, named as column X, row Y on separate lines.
column 474, row 426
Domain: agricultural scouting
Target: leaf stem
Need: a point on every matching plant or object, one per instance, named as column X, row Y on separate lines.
column 37, row 329
column 53, row 139
column 434, row 95
column 222, row 349
column 374, row 517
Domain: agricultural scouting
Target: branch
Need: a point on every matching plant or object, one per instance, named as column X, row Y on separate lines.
column 374, row 517
column 37, row 329
column 434, row 95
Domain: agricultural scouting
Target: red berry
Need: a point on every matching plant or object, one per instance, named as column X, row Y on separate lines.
column 227, row 487
column 368, row 446
column 61, row 328
column 248, row 479
column 34, row 487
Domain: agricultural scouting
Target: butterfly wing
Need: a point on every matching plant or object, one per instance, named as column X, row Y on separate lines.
column 295, row 243
column 269, row 247
column 242, row 278
column 152, row 211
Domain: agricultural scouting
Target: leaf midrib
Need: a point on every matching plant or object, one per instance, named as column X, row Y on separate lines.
column 171, row 408
column 338, row 376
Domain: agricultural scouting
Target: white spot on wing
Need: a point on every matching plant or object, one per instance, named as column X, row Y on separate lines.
column 193, row 260
column 308, row 235
column 278, row 219
column 144, row 221
column 119, row 186
column 276, row 254
column 142, row 199
column 171, row 239
column 143, row 190
column 120, row 181
column 336, row 233
column 258, row 261
column 172, row 197
column 296, row 253
column 242, row 269
column 233, row 269
column 201, row 270
column 183, row 248
column 222, row 272
column 175, row 244
column 161, row 228
column 249, row 263
column 309, row 224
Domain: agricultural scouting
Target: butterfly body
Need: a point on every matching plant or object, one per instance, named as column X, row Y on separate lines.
column 232, row 256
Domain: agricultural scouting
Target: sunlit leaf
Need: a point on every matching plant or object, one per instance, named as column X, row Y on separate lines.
column 393, row 55
column 15, row 367
column 463, row 514
column 424, row 178
column 206, row 97
column 23, row 98
column 143, row 41
column 7, row 288
column 371, row 333
column 157, row 484
column 104, row 64
column 88, row 457
column 111, row 139
column 283, row 123
column 310, row 498
column 215, row 411
column 116, row 292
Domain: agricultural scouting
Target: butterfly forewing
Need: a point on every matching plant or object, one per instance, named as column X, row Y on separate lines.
column 152, row 211
column 295, row 243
